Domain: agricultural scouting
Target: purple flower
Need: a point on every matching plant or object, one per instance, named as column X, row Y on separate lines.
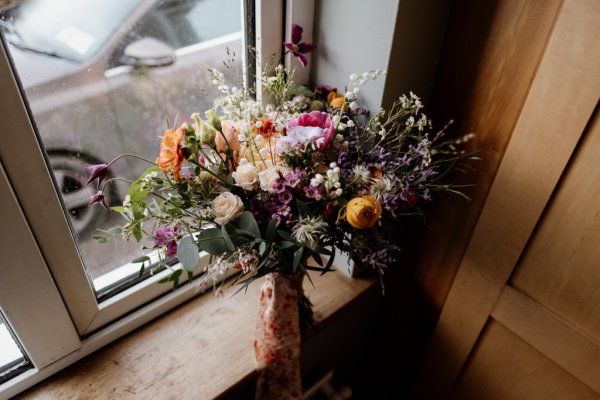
column 99, row 198
column 285, row 197
column 167, row 236
column 297, row 49
column 292, row 179
column 99, row 171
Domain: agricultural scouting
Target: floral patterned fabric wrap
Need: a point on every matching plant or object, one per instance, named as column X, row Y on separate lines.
column 277, row 342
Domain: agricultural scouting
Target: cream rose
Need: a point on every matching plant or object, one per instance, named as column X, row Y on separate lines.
column 245, row 175
column 226, row 207
column 268, row 178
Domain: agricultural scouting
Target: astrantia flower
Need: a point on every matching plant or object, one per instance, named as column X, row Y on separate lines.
column 298, row 49
column 308, row 230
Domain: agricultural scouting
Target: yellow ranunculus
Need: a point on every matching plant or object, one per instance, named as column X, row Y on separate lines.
column 363, row 212
column 335, row 100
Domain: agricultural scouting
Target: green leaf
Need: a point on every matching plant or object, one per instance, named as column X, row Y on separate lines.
column 297, row 258
column 285, row 235
column 141, row 259
column 211, row 240
column 187, row 253
column 99, row 238
column 329, row 262
column 300, row 91
column 284, row 244
column 302, row 208
column 119, row 209
column 135, row 192
column 272, row 230
column 227, row 239
column 175, row 278
column 141, row 273
column 262, row 247
column 115, row 230
column 246, row 222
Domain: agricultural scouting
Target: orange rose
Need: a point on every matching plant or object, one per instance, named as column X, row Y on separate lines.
column 363, row 212
column 335, row 100
column 171, row 155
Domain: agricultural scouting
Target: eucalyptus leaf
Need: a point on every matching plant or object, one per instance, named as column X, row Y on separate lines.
column 272, row 230
column 211, row 240
column 99, row 238
column 262, row 247
column 187, row 253
column 247, row 222
column 227, row 239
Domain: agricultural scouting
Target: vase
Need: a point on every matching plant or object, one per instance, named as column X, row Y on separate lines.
column 278, row 336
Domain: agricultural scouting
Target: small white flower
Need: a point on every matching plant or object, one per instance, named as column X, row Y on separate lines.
column 353, row 77
column 127, row 201
column 350, row 95
column 350, row 123
column 258, row 124
column 353, row 105
column 339, row 192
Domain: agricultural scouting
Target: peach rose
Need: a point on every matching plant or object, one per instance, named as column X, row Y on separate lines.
column 226, row 207
column 228, row 137
column 171, row 156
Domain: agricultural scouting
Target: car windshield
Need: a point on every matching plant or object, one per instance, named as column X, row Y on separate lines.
column 72, row 30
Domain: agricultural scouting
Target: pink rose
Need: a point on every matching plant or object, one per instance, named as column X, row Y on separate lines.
column 315, row 127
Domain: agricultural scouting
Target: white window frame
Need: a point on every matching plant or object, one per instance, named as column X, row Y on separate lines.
column 45, row 294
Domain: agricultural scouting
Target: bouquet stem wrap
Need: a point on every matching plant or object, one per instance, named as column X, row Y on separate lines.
column 277, row 343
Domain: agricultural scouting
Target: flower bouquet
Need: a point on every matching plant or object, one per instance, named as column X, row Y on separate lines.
column 274, row 191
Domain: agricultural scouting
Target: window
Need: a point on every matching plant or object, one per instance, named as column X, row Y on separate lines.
column 83, row 103
column 12, row 359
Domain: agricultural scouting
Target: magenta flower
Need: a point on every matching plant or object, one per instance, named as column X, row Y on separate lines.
column 99, row 198
column 297, row 49
column 315, row 127
column 99, row 171
column 167, row 236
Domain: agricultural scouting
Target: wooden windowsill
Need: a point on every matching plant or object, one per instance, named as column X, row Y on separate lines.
column 197, row 351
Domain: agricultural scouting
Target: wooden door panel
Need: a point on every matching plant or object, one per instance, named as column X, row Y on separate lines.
column 561, row 265
column 503, row 366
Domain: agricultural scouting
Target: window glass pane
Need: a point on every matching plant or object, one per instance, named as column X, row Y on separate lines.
column 102, row 86
column 12, row 360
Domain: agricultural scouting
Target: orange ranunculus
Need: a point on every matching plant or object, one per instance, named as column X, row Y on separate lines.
column 171, row 156
column 335, row 100
column 363, row 212
column 267, row 128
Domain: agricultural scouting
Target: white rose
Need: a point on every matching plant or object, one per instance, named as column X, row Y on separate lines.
column 246, row 176
column 268, row 178
column 226, row 207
